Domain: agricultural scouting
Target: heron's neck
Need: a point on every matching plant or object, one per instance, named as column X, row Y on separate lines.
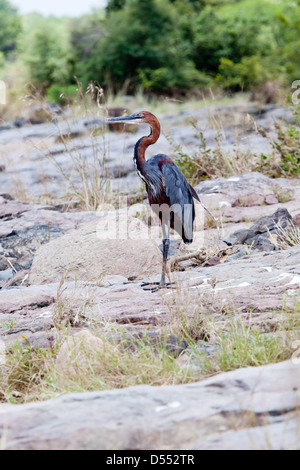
column 141, row 147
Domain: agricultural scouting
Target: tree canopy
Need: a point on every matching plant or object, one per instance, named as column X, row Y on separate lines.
column 161, row 46
column 10, row 26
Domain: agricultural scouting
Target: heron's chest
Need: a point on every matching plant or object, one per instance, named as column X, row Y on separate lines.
column 152, row 179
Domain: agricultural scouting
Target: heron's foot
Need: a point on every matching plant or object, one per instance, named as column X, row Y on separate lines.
column 157, row 286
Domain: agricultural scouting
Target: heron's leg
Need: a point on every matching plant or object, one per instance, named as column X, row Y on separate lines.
column 166, row 245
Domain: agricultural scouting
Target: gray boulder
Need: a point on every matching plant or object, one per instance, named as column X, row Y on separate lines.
column 257, row 236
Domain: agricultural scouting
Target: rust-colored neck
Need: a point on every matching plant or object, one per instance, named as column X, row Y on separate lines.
column 144, row 143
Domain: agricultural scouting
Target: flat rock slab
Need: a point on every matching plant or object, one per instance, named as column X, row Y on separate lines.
column 254, row 408
column 257, row 283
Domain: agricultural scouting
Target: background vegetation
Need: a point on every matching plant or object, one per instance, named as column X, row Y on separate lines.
column 159, row 46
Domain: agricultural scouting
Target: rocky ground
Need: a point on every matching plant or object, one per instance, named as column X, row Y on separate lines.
column 92, row 264
column 256, row 408
column 27, row 150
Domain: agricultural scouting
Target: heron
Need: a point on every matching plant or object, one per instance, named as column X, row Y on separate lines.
column 170, row 195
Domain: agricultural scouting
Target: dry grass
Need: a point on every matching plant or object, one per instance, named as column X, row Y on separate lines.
column 111, row 365
column 286, row 236
column 23, row 373
column 75, row 366
column 85, row 178
column 284, row 195
column 93, row 186
column 236, row 339
column 99, row 359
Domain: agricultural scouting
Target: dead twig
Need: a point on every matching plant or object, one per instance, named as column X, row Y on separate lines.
column 197, row 255
column 201, row 256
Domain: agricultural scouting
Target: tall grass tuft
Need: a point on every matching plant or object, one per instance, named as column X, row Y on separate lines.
column 88, row 181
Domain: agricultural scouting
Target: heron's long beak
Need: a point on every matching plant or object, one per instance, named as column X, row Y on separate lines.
column 132, row 119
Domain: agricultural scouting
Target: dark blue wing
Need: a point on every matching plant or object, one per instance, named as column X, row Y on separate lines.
column 179, row 192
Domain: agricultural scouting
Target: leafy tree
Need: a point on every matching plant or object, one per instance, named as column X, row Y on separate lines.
column 185, row 6
column 232, row 34
column 288, row 40
column 142, row 45
column 10, row 26
column 86, row 33
column 163, row 46
column 235, row 43
column 114, row 5
column 46, row 52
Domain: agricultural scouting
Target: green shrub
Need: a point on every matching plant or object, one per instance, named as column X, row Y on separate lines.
column 285, row 158
column 249, row 73
column 165, row 79
column 62, row 95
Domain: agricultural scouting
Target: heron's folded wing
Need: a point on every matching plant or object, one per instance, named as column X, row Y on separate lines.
column 181, row 198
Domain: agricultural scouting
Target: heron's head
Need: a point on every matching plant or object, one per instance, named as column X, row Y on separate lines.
column 138, row 118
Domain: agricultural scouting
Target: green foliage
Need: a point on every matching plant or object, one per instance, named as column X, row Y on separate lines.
column 45, row 48
column 230, row 40
column 114, row 5
column 166, row 79
column 160, row 46
column 247, row 74
column 142, row 46
column 10, row 26
column 62, row 94
column 288, row 146
column 2, row 60
column 86, row 35
column 289, row 39
column 285, row 158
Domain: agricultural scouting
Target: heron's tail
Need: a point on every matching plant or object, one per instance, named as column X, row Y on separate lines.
column 194, row 194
